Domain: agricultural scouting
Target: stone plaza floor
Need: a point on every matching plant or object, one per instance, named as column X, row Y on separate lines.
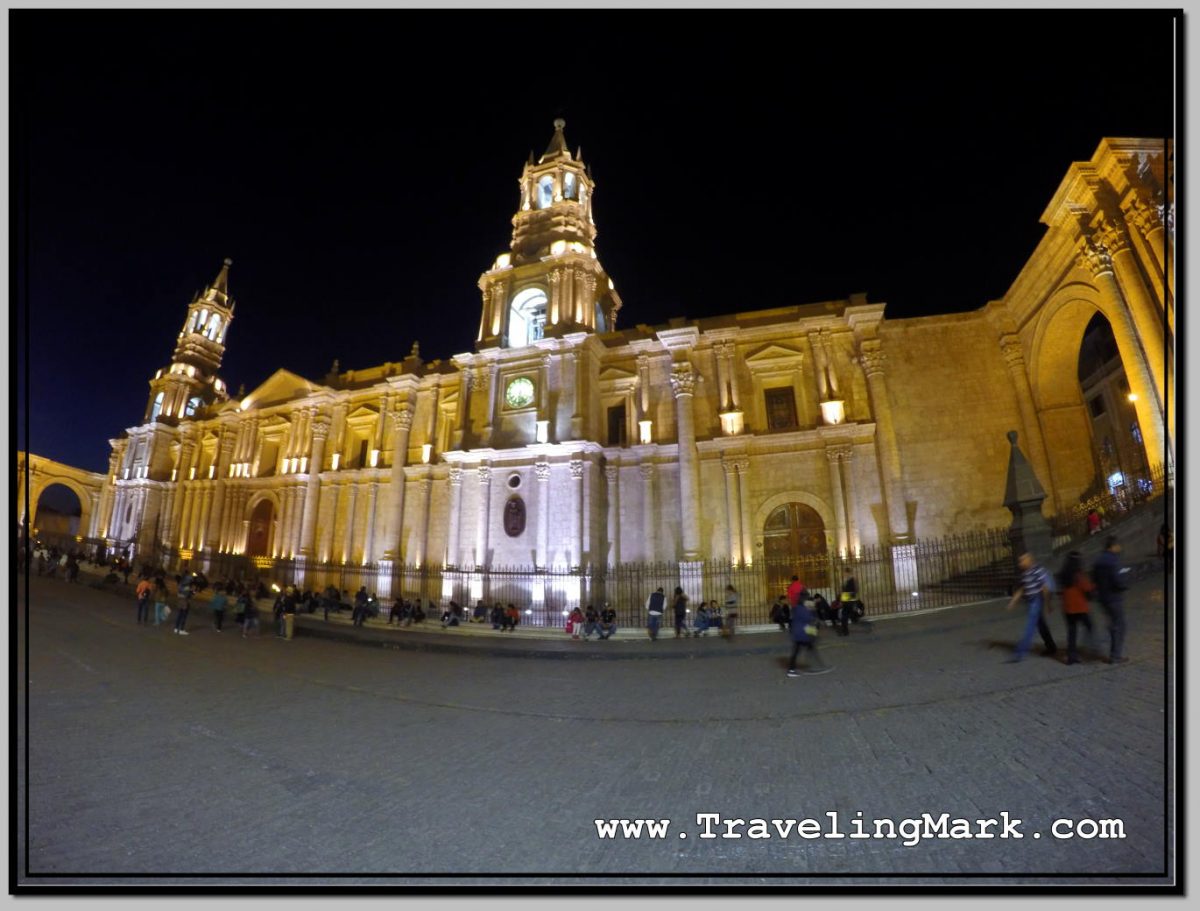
column 155, row 758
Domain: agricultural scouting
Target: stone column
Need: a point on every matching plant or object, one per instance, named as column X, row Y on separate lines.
column 649, row 526
column 485, row 509
column 348, row 537
column 612, row 475
column 402, row 418
column 224, row 451
column 369, row 543
column 1014, row 357
column 1147, row 218
column 873, row 358
column 308, row 525
column 733, row 512
column 202, row 522
column 683, row 384
column 175, row 530
column 487, row 386
column 555, row 279
column 743, row 470
column 851, row 499
column 834, row 455
column 185, row 525
column 455, row 505
column 462, row 418
column 421, row 540
column 1147, row 318
column 577, row 478
column 1096, row 260
column 542, row 472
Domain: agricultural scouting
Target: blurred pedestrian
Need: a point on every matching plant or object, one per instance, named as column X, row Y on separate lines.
column 1035, row 588
column 1110, row 587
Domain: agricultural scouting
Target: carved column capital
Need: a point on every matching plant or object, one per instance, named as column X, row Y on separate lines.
column 841, row 452
column 647, row 470
column 1094, row 258
column 320, row 428
column 871, row 356
column 1143, row 215
column 610, row 473
column 402, row 417
column 541, row 470
column 455, row 475
column 1112, row 234
column 577, row 469
column 555, row 277
column 683, row 380
column 1012, row 350
column 485, row 474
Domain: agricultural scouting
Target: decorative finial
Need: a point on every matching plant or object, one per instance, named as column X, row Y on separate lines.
column 228, row 261
column 1012, row 437
column 416, row 350
column 241, row 390
column 559, row 123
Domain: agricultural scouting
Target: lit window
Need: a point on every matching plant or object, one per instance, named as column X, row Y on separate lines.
column 545, row 192
column 527, row 317
column 192, row 405
column 569, row 185
column 157, row 407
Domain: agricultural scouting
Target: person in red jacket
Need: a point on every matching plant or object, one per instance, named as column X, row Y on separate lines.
column 1075, row 586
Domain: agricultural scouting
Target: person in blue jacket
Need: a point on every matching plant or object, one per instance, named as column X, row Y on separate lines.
column 1106, row 573
column 804, row 634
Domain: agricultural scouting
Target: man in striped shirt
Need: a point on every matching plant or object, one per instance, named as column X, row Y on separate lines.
column 1035, row 589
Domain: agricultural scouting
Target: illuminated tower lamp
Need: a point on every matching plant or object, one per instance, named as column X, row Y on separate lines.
column 732, row 423
column 645, row 436
column 833, row 411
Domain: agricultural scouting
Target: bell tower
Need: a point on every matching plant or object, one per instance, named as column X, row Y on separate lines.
column 191, row 382
column 550, row 283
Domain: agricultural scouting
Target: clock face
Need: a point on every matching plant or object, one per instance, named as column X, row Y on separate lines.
column 519, row 392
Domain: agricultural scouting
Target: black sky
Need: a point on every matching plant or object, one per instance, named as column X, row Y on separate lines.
column 361, row 170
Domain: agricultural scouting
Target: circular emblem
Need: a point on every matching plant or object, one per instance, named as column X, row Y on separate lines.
column 519, row 393
column 514, row 517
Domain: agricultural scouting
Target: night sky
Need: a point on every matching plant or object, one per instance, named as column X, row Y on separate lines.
column 361, row 171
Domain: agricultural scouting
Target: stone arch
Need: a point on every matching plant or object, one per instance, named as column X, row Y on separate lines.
column 1054, row 384
column 39, row 485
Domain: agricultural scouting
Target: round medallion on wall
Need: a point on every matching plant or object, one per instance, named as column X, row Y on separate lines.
column 519, row 393
column 514, row 516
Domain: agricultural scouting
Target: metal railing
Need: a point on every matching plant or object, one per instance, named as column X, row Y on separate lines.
column 1112, row 505
column 930, row 573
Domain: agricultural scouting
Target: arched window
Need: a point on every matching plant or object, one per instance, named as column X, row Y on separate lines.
column 214, row 326
column 601, row 320
column 545, row 192
column 156, row 407
column 193, row 404
column 526, row 317
column 582, row 195
column 569, row 185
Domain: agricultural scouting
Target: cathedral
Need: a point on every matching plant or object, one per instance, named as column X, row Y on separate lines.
column 572, row 437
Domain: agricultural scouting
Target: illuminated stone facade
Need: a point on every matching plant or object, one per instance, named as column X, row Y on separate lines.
column 564, row 441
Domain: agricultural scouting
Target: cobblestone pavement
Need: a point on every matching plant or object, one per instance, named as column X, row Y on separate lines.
column 155, row 754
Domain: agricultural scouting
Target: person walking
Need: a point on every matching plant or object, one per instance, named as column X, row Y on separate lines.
column 729, row 624
column 1034, row 588
column 654, row 610
column 249, row 614
column 804, row 630
column 359, row 615
column 679, row 606
column 162, row 599
column 217, row 606
column 1076, row 587
column 144, row 592
column 185, row 604
column 1106, row 573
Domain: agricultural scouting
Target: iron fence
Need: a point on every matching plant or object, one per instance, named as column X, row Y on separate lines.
column 929, row 573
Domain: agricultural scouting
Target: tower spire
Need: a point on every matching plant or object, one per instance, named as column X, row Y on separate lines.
column 558, row 144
